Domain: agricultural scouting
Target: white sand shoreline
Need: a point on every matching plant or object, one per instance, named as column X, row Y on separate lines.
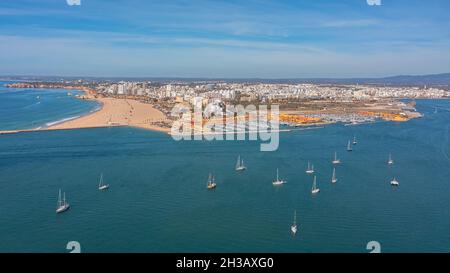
column 111, row 112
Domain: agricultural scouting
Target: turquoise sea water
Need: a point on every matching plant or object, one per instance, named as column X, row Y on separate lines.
column 158, row 200
column 32, row 108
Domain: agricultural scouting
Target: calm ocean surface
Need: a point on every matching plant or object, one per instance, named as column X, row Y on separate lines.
column 33, row 108
column 158, row 201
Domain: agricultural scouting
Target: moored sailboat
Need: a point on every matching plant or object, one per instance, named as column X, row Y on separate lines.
column 315, row 189
column 101, row 185
column 294, row 225
column 310, row 169
column 336, row 161
column 390, row 160
column 395, row 183
column 211, row 182
column 63, row 205
column 334, row 179
column 349, row 146
column 278, row 181
column 240, row 164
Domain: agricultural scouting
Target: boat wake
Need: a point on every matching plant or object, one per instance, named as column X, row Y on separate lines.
column 30, row 105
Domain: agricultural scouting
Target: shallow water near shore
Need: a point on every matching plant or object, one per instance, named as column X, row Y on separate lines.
column 22, row 108
column 158, row 200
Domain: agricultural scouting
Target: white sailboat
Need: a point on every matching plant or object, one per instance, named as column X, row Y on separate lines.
column 395, row 183
column 211, row 182
column 390, row 160
column 349, row 146
column 62, row 203
column 315, row 189
column 240, row 164
column 278, row 181
column 101, row 185
column 336, row 161
column 310, row 169
column 294, row 225
column 334, row 179
column 354, row 140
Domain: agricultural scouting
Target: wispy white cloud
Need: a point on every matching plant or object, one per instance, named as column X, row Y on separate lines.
column 351, row 23
column 52, row 56
column 221, row 38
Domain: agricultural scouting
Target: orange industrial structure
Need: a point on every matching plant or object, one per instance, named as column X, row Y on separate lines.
column 298, row 119
column 386, row 116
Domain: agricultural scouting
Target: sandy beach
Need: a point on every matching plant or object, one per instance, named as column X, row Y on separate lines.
column 113, row 112
column 118, row 112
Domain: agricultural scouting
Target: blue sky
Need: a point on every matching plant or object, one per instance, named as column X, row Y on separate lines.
column 230, row 39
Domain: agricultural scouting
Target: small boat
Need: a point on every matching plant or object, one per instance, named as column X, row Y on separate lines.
column 349, row 146
column 294, row 225
column 62, row 203
column 38, row 97
column 390, row 160
column 101, row 185
column 240, row 164
column 315, row 189
column 354, row 140
column 211, row 182
column 334, row 179
column 310, row 169
column 394, row 182
column 278, row 181
column 336, row 161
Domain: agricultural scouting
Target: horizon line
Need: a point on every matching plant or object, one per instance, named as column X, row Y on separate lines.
column 227, row 78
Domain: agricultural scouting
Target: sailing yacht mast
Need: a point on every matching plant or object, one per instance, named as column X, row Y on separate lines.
column 240, row 164
column 334, row 179
column 59, row 199
column 62, row 204
column 278, row 181
column 211, row 182
column 294, row 225
column 336, row 160
column 315, row 189
column 390, row 161
column 310, row 168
